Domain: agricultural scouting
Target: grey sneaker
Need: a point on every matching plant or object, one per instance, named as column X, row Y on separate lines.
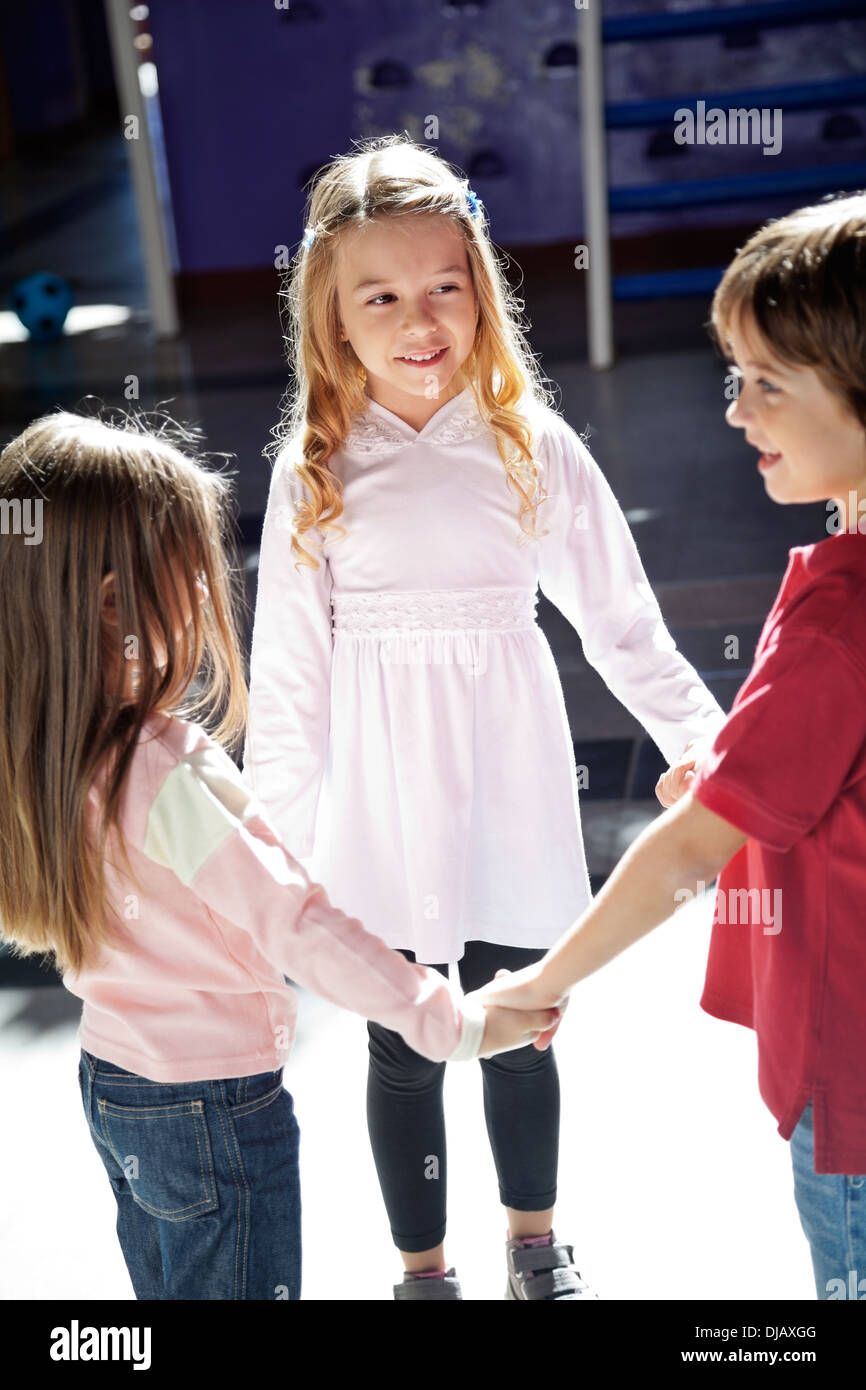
column 543, row 1271
column 447, row 1286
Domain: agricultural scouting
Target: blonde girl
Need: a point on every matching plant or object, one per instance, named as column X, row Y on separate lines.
column 408, row 732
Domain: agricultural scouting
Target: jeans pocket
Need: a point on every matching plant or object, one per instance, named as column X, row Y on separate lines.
column 251, row 1092
column 165, row 1154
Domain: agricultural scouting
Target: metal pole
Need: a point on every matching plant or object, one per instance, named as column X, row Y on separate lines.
column 160, row 284
column 594, row 175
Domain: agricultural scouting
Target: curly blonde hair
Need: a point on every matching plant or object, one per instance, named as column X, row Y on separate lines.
column 386, row 177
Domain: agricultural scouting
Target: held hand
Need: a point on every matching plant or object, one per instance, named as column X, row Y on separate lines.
column 509, row 1028
column 676, row 781
column 529, row 990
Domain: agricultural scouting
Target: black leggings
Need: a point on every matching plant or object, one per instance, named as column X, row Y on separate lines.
column 406, row 1119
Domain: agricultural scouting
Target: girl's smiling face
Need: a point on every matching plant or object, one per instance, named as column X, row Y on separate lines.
column 812, row 445
column 404, row 290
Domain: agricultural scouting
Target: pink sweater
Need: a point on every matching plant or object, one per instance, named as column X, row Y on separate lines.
column 197, row 992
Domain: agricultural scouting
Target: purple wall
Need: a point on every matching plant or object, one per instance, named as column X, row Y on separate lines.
column 251, row 103
column 255, row 98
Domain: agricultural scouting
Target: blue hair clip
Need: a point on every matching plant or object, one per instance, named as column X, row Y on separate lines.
column 309, row 237
column 476, row 207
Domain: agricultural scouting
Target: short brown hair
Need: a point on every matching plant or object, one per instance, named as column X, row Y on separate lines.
column 803, row 279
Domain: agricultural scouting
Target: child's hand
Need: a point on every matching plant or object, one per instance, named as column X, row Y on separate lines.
column 528, row 990
column 676, row 781
column 515, row 1025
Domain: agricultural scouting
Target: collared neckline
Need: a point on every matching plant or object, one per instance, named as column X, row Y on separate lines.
column 377, row 431
column 463, row 399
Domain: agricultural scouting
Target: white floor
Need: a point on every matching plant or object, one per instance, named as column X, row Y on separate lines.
column 674, row 1183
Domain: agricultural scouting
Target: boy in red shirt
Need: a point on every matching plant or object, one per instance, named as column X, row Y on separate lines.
column 777, row 808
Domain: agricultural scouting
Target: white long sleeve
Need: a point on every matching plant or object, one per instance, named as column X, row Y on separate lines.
column 589, row 567
column 290, row 672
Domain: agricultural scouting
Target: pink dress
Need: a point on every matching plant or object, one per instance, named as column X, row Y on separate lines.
column 408, row 732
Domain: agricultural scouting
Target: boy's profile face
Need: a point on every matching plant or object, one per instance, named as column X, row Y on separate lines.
column 404, row 289
column 812, row 447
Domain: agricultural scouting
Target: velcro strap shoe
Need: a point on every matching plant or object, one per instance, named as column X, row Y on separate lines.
column 448, row 1286
column 544, row 1271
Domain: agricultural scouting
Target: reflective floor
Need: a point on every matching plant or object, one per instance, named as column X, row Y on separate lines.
column 674, row 1183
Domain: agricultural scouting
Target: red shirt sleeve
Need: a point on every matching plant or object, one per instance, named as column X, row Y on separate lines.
column 790, row 740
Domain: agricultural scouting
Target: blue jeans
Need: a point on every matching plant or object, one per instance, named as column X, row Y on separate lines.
column 205, row 1175
column 832, row 1209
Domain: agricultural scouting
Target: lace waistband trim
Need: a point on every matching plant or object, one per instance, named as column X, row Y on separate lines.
column 434, row 610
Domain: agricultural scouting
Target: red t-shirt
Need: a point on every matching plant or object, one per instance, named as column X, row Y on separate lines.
column 789, row 769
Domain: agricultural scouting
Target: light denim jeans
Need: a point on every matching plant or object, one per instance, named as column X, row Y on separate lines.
column 832, row 1209
column 205, row 1175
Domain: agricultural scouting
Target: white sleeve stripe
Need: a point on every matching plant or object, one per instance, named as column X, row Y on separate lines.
column 200, row 805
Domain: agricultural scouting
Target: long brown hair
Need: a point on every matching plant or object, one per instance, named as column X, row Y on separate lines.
column 112, row 497
column 384, row 177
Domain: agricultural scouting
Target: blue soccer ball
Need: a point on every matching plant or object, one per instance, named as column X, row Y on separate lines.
column 42, row 302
